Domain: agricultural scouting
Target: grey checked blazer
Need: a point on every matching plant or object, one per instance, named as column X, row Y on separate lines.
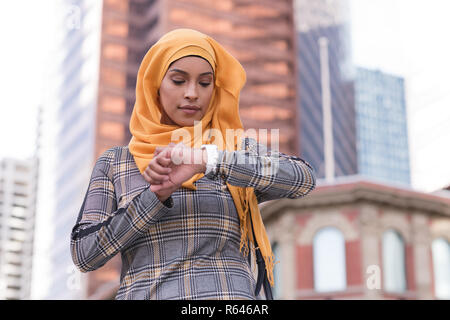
column 188, row 246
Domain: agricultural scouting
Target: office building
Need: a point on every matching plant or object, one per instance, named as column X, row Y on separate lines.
column 17, row 215
column 382, row 130
column 325, row 87
column 66, row 146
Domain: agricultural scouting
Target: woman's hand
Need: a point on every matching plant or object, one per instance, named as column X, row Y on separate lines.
column 171, row 166
column 157, row 172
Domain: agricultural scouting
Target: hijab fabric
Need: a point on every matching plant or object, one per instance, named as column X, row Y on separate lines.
column 222, row 114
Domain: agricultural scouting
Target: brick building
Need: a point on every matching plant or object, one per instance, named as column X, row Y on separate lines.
column 361, row 240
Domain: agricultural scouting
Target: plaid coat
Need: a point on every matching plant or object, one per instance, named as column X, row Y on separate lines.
column 188, row 246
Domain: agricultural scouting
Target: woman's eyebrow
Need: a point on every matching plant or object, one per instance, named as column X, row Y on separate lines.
column 184, row 72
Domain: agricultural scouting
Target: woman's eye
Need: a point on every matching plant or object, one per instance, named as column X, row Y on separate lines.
column 205, row 84
column 178, row 82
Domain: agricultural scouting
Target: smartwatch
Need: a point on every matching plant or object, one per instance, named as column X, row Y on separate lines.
column 213, row 155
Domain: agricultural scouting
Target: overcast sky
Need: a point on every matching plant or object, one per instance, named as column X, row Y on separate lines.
column 404, row 37
column 23, row 29
column 410, row 38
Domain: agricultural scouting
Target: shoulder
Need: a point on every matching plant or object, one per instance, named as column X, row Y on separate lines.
column 119, row 153
column 108, row 155
column 113, row 159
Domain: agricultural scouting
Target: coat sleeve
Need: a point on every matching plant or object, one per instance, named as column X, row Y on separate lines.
column 102, row 229
column 273, row 175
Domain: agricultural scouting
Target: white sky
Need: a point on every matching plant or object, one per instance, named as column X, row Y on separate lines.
column 410, row 38
column 404, row 37
column 25, row 42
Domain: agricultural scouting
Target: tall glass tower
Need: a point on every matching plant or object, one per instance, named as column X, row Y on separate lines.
column 17, row 214
column 326, row 87
column 382, row 131
column 66, row 146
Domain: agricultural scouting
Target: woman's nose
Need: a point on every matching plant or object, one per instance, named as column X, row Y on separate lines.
column 191, row 91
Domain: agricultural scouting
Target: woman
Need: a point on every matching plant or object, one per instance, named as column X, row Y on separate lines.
column 185, row 216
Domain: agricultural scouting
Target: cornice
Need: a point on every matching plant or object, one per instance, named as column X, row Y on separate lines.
column 361, row 192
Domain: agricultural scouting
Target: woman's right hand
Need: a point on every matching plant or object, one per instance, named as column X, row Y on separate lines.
column 157, row 173
column 171, row 166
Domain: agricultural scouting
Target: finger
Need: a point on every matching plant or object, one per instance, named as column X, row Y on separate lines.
column 155, row 188
column 177, row 154
column 158, row 178
column 164, row 159
column 159, row 187
column 155, row 156
column 160, row 165
column 158, row 151
column 148, row 178
column 155, row 178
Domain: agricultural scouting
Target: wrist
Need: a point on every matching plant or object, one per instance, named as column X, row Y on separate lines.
column 164, row 194
column 201, row 167
column 210, row 158
column 166, row 201
column 162, row 198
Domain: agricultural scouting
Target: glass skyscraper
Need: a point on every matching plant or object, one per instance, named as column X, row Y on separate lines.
column 17, row 214
column 382, row 131
column 66, row 146
column 326, row 87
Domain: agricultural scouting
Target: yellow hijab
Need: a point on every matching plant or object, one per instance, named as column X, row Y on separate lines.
column 223, row 113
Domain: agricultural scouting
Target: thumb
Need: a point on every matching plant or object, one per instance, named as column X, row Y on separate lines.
column 177, row 153
column 157, row 151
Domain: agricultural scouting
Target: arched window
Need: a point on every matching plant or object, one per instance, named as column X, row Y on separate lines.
column 277, row 289
column 394, row 266
column 441, row 267
column 329, row 260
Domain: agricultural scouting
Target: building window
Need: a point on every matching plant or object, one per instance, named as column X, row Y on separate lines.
column 116, row 52
column 115, row 28
column 112, row 130
column 394, row 267
column 441, row 267
column 113, row 104
column 329, row 260
column 277, row 289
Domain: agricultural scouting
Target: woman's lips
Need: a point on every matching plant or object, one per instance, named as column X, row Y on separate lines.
column 190, row 109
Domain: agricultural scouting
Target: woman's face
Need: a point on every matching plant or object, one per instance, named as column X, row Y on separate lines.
column 186, row 91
